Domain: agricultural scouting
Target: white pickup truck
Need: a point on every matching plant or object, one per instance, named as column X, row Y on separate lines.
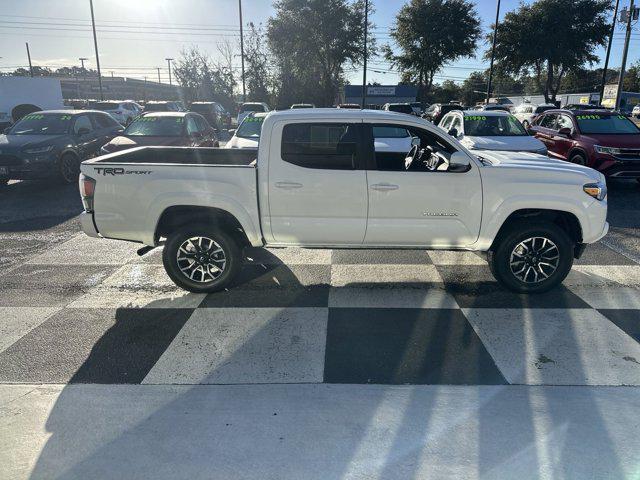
column 316, row 180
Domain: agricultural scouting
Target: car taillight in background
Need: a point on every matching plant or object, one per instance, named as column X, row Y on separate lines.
column 87, row 189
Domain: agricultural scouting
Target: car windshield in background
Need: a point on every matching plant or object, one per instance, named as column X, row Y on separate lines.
column 493, row 126
column 156, row 107
column 156, row 127
column 401, row 108
column 606, row 124
column 252, row 108
column 250, row 127
column 389, row 132
column 42, row 124
column 202, row 108
column 105, row 106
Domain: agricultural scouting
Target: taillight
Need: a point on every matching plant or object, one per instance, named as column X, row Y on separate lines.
column 87, row 189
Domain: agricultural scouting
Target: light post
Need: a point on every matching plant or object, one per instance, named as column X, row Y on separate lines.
column 84, row 73
column 169, row 60
column 364, row 72
column 627, row 38
column 244, row 89
column 493, row 52
column 95, row 44
column 606, row 59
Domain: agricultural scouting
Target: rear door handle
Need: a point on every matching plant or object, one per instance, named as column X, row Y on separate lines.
column 288, row 185
column 384, row 187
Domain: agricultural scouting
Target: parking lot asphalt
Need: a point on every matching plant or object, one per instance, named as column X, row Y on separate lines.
column 82, row 318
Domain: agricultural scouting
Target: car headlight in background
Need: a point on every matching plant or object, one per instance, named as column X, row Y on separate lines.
column 596, row 190
column 607, row 150
column 37, row 150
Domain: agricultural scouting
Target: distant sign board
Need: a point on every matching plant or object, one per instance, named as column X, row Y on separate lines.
column 381, row 91
column 610, row 91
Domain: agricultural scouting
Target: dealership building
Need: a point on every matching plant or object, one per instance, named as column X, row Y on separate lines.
column 378, row 95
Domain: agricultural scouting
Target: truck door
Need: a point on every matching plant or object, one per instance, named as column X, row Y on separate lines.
column 317, row 189
column 415, row 206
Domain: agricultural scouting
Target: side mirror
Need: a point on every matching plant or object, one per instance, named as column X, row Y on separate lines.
column 453, row 132
column 565, row 132
column 82, row 131
column 415, row 141
column 459, row 162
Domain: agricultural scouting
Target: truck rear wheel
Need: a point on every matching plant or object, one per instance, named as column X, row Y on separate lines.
column 201, row 259
column 532, row 258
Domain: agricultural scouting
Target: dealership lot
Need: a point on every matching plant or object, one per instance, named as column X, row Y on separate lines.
column 94, row 335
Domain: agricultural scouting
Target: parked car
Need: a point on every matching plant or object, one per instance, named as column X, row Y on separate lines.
column 209, row 111
column 247, row 134
column 314, row 184
column 302, row 105
column 583, row 106
column 223, row 115
column 122, row 112
column 159, row 106
column 51, row 144
column 490, row 130
column 353, row 106
column 604, row 140
column 178, row 129
column 438, row 110
column 249, row 107
column 399, row 108
column 636, row 111
column 526, row 112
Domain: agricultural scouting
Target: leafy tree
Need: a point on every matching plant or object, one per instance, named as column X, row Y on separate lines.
column 429, row 34
column 259, row 73
column 631, row 80
column 75, row 72
column 312, row 41
column 37, row 72
column 549, row 38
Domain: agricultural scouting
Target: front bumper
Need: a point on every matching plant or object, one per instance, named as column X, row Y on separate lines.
column 88, row 225
column 16, row 167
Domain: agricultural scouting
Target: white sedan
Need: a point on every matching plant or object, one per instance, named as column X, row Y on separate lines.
column 490, row 130
column 526, row 112
column 248, row 133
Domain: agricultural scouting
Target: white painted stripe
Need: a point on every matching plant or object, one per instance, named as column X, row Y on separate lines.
column 605, row 297
column 354, row 297
column 608, row 274
column 16, row 322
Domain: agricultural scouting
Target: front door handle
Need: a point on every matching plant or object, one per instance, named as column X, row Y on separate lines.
column 288, row 185
column 384, row 187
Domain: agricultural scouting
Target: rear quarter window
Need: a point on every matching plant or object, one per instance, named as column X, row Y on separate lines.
column 330, row 146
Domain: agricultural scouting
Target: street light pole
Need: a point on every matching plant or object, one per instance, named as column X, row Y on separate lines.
column 606, row 59
column 29, row 57
column 95, row 44
column 627, row 38
column 364, row 72
column 158, row 68
column 493, row 52
column 169, row 60
column 244, row 88
column 84, row 72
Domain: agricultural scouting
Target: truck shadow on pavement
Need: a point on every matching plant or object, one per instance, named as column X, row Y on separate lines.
column 300, row 423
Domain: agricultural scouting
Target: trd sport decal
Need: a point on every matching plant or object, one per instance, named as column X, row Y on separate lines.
column 119, row 171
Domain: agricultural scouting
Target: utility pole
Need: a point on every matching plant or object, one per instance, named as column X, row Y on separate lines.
column 84, row 73
column 493, row 52
column 244, row 88
column 364, row 72
column 606, row 58
column 158, row 68
column 29, row 57
column 95, row 44
column 624, row 53
column 169, row 60
column 145, row 89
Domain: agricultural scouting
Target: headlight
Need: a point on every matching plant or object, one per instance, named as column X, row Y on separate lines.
column 36, row 150
column 607, row 150
column 596, row 190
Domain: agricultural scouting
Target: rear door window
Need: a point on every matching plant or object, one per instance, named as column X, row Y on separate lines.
column 332, row 146
column 548, row 121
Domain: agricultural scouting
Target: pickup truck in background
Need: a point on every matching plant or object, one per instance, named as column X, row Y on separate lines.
column 318, row 180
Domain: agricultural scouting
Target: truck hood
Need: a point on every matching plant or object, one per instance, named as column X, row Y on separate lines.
column 535, row 162
column 523, row 143
column 16, row 143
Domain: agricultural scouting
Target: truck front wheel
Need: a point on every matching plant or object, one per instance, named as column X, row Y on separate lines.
column 532, row 258
column 201, row 259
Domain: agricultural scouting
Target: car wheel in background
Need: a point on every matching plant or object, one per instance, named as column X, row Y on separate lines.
column 532, row 258
column 578, row 158
column 68, row 168
column 201, row 259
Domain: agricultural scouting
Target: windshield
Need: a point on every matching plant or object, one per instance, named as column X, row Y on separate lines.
column 105, row 106
column 250, row 127
column 493, row 126
column 606, row 124
column 156, row 126
column 401, row 108
column 252, row 107
column 42, row 124
column 202, row 108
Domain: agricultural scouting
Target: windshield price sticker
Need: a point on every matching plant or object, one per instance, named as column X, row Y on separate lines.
column 147, row 119
column 588, row 117
column 622, row 117
column 250, row 119
column 34, row 116
column 475, row 117
column 179, row 120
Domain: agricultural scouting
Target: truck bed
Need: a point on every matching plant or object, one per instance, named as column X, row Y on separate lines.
column 181, row 156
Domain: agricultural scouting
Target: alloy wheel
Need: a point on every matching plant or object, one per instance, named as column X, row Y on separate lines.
column 534, row 260
column 201, row 259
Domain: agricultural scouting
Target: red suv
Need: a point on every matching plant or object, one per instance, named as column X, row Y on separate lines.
column 604, row 140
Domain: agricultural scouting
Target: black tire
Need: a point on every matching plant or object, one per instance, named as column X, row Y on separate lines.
column 578, row 158
column 68, row 169
column 230, row 249
column 505, row 261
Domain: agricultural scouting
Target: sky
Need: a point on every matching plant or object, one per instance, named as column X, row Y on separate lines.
column 135, row 36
